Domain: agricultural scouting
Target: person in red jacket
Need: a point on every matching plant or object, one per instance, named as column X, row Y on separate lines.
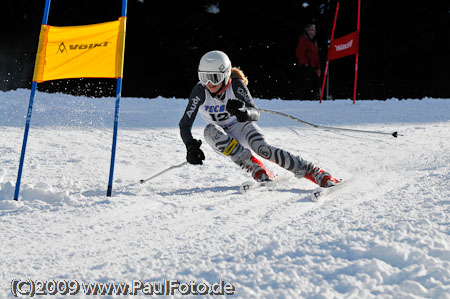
column 309, row 63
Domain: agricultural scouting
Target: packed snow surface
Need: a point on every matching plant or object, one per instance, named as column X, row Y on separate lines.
column 385, row 234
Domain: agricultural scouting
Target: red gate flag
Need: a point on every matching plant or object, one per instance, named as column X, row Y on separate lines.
column 344, row 46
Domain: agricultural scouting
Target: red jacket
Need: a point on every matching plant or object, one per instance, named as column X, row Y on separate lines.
column 308, row 53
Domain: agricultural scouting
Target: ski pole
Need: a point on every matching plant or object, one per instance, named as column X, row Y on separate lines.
column 162, row 172
column 395, row 134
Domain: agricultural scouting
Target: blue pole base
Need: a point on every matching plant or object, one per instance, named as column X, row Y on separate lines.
column 108, row 193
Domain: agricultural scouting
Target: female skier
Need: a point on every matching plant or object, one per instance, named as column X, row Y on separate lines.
column 225, row 103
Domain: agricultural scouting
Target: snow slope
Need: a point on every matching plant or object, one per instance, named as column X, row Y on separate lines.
column 386, row 234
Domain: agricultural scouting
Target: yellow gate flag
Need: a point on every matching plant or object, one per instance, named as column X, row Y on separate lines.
column 88, row 51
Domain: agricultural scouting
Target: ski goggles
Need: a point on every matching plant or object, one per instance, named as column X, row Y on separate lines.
column 214, row 77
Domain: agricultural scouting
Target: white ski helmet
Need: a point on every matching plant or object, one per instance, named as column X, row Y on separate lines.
column 214, row 67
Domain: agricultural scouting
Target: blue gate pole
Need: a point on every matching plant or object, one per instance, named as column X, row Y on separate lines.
column 116, row 119
column 114, row 143
column 29, row 112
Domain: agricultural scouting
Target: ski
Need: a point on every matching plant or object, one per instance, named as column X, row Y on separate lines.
column 320, row 192
column 317, row 194
column 254, row 185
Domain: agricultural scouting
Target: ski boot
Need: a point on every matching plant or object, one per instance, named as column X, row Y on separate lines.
column 259, row 171
column 319, row 176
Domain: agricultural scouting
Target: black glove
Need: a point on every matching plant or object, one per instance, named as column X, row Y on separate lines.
column 195, row 155
column 236, row 108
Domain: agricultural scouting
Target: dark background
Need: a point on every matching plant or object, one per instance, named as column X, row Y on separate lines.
column 404, row 46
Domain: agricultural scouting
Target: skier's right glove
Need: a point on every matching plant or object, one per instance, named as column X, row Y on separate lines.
column 195, row 155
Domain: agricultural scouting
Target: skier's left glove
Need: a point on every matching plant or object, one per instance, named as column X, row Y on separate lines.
column 236, row 108
column 194, row 154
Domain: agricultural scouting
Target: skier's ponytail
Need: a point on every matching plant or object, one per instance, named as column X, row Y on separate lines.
column 237, row 73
